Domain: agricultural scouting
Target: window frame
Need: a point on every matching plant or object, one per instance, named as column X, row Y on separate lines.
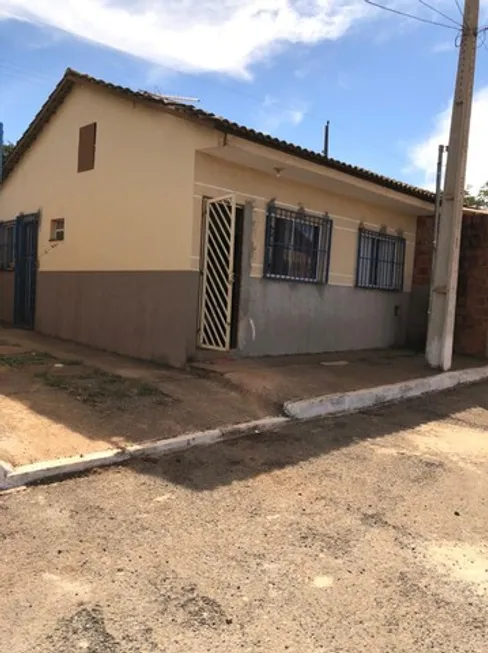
column 7, row 250
column 306, row 221
column 56, row 230
column 374, row 272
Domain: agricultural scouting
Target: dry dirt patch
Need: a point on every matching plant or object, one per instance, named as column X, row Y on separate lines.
column 51, row 407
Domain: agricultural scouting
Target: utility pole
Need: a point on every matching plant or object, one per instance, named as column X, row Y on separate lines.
column 438, row 201
column 440, row 332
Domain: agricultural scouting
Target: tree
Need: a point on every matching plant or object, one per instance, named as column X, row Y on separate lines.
column 7, row 148
column 479, row 201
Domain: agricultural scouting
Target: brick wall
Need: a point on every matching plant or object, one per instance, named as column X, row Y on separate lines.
column 423, row 252
column 419, row 294
column 470, row 335
column 471, row 328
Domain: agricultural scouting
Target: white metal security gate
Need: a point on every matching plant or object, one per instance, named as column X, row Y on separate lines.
column 218, row 266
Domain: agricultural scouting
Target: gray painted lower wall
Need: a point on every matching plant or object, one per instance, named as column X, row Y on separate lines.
column 150, row 315
column 296, row 318
column 417, row 317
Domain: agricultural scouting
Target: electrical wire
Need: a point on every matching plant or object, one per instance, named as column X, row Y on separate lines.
column 434, row 9
column 460, row 9
column 402, row 13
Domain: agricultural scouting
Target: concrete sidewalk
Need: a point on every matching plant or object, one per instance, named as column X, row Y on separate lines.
column 45, row 422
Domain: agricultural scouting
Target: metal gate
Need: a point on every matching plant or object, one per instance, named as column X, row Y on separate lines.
column 218, row 265
column 26, row 231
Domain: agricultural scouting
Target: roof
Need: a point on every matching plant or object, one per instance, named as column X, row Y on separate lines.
column 72, row 77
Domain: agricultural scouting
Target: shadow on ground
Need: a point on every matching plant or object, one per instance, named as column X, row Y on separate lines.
column 58, row 406
column 204, row 469
column 103, row 400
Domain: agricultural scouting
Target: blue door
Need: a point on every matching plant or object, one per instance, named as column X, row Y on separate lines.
column 26, row 232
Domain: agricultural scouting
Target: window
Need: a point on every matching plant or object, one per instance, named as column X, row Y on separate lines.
column 86, row 147
column 7, row 250
column 381, row 259
column 57, row 229
column 297, row 245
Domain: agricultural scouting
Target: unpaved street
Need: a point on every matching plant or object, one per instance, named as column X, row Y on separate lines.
column 365, row 533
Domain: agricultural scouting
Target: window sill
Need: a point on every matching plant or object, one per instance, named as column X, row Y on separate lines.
column 56, row 240
column 379, row 288
column 314, row 282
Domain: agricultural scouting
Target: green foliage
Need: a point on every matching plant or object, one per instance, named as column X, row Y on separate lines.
column 7, row 148
column 479, row 201
column 5, row 151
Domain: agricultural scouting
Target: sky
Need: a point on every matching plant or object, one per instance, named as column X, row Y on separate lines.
column 385, row 82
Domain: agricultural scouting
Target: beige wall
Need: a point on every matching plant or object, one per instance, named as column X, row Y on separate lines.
column 214, row 177
column 133, row 211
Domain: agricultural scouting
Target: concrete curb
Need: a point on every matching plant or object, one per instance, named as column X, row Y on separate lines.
column 11, row 477
column 339, row 403
column 349, row 402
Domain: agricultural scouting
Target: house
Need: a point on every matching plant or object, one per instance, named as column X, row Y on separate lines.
column 145, row 226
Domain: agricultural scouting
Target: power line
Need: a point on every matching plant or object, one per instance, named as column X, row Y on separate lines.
column 434, row 9
column 402, row 13
column 460, row 9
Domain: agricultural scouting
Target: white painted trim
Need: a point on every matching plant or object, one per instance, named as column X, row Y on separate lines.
column 339, row 403
column 26, row 474
column 350, row 402
column 293, row 206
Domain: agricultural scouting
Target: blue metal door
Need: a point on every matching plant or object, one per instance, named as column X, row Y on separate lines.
column 26, row 232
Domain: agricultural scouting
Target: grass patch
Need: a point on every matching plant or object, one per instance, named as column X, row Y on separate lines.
column 98, row 388
column 70, row 361
column 26, row 358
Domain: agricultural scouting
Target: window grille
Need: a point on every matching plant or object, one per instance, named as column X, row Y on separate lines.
column 297, row 245
column 381, row 259
column 7, row 245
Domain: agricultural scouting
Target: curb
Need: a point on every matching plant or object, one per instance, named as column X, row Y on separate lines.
column 333, row 404
column 11, row 477
column 350, row 402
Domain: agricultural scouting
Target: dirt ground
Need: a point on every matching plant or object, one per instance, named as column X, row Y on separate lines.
column 53, row 406
column 352, row 534
column 62, row 399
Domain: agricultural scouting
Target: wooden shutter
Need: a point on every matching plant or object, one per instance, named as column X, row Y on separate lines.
column 86, row 147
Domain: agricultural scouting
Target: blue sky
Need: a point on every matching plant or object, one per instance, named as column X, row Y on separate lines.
column 281, row 66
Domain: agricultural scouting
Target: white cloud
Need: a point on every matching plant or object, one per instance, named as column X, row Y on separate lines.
column 274, row 114
column 194, row 35
column 423, row 156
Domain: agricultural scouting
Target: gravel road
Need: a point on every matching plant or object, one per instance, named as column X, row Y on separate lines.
column 361, row 533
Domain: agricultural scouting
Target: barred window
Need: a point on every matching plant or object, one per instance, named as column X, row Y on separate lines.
column 297, row 245
column 381, row 259
column 7, row 239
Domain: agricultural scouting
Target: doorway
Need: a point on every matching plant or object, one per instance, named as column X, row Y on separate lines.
column 221, row 274
column 26, row 235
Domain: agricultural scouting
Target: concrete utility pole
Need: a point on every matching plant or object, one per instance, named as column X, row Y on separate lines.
column 438, row 199
column 440, row 332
